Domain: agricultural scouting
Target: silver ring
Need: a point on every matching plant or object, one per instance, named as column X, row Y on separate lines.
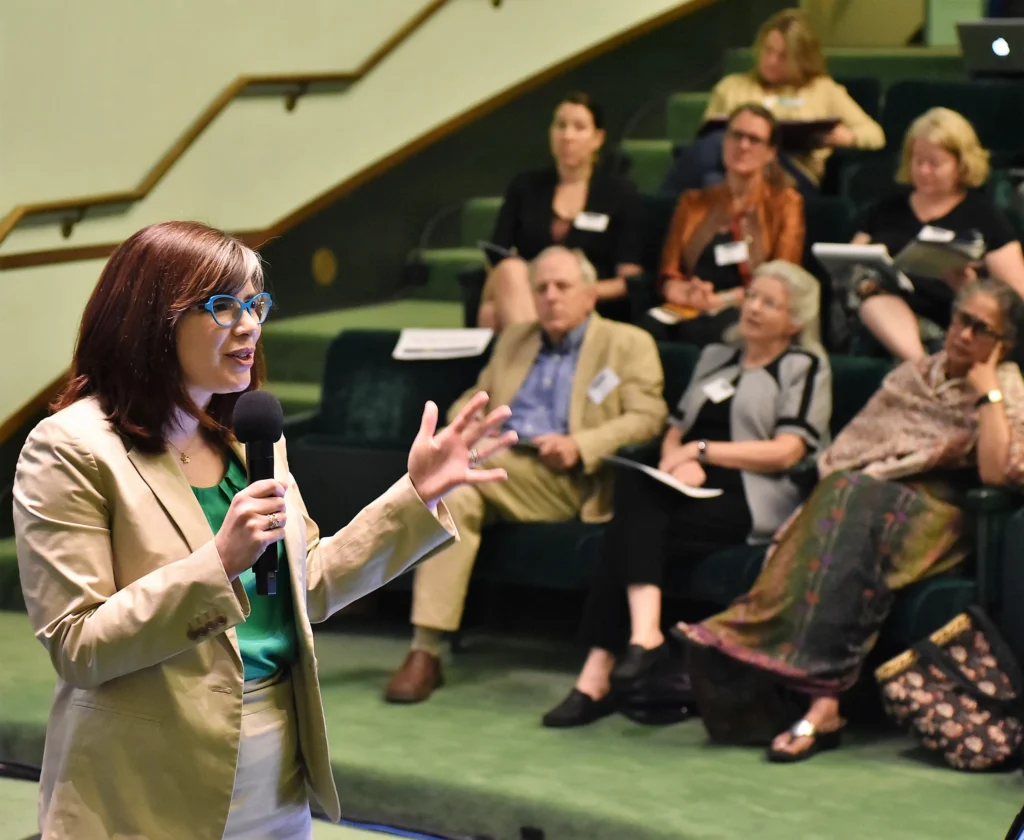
column 275, row 523
column 474, row 457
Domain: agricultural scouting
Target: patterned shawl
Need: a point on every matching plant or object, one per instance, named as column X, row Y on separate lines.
column 919, row 420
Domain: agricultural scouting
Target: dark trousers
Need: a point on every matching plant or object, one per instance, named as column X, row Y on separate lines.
column 653, row 527
column 700, row 165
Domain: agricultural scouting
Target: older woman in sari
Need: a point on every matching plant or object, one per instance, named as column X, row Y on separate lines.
column 882, row 517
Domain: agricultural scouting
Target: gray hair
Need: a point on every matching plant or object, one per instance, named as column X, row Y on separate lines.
column 587, row 270
column 1011, row 307
column 804, row 302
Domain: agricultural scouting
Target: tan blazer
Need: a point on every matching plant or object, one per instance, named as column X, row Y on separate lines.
column 125, row 589
column 633, row 412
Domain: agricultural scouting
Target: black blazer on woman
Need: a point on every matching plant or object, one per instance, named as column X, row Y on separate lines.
column 524, row 222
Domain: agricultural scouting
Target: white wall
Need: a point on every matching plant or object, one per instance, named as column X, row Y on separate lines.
column 92, row 94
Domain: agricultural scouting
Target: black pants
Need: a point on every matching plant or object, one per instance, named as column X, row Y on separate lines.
column 654, row 526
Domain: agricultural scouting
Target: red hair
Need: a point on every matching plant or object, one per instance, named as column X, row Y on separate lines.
column 126, row 354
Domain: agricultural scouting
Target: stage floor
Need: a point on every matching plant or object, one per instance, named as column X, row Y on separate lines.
column 474, row 760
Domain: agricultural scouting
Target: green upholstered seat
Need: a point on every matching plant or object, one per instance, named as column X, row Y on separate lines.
column 649, row 162
column 477, row 220
column 684, row 113
column 443, row 266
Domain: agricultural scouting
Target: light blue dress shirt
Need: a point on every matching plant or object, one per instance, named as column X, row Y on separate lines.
column 542, row 405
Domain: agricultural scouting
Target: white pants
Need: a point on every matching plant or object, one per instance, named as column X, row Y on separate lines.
column 269, row 798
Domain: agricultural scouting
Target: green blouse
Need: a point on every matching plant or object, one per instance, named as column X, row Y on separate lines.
column 267, row 637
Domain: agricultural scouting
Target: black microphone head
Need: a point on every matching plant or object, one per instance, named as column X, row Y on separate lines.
column 258, row 417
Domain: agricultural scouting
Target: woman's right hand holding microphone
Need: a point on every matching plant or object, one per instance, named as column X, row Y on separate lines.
column 254, row 522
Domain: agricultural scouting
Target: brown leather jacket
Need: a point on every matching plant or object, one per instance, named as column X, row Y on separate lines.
column 772, row 223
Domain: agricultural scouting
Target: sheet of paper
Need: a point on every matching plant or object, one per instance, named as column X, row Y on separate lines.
column 665, row 478
column 931, row 259
column 416, row 344
column 658, row 313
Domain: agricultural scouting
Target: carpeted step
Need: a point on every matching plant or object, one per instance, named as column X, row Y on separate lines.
column 296, row 397
column 474, row 760
column 649, row 162
column 296, row 347
column 10, row 584
column 887, row 64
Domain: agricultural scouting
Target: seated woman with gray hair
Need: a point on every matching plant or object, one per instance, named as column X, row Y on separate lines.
column 753, row 409
column 884, row 515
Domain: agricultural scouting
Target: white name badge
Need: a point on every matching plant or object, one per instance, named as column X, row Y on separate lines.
column 936, row 234
column 718, row 390
column 604, row 383
column 731, row 253
column 791, row 102
column 594, row 222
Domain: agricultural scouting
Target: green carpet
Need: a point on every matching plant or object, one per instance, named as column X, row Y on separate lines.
column 474, row 759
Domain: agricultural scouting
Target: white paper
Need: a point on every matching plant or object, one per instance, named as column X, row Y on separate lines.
column 840, row 257
column 663, row 315
column 932, row 259
column 665, row 478
column 416, row 344
column 593, row 222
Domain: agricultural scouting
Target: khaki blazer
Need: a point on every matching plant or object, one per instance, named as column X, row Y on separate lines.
column 126, row 590
column 633, row 412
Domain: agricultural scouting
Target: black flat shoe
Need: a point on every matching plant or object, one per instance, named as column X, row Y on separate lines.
column 637, row 663
column 820, row 742
column 578, row 709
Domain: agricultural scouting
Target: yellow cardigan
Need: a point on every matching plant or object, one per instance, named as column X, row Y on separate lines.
column 821, row 98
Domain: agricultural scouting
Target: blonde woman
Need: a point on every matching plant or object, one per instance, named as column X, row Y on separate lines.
column 942, row 161
column 753, row 408
column 790, row 79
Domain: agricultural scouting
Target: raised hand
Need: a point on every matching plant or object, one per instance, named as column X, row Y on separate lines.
column 982, row 377
column 438, row 463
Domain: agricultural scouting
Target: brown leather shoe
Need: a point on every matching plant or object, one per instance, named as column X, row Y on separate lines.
column 416, row 680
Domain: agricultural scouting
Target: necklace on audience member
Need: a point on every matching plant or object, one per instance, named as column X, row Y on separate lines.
column 182, row 453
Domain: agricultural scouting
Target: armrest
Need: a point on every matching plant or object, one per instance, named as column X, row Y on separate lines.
column 640, row 288
column 301, row 424
column 645, row 453
column 804, row 474
column 993, row 500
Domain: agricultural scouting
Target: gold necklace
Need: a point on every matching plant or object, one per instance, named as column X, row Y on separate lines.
column 182, row 455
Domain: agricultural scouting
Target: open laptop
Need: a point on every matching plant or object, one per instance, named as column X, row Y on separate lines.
column 992, row 47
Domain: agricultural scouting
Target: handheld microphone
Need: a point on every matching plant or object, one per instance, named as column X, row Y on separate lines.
column 259, row 423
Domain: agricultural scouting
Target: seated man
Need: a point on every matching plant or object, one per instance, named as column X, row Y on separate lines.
column 580, row 387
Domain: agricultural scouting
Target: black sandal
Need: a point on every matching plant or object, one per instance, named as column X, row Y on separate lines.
column 820, row 742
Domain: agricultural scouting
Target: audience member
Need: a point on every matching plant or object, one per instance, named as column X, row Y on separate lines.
column 580, row 387
column 943, row 161
column 752, row 410
column 791, row 80
column 719, row 235
column 884, row 515
column 573, row 203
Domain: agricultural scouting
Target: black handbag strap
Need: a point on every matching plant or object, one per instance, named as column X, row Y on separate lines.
column 936, row 656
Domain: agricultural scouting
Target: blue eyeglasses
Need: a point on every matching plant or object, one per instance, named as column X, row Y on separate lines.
column 227, row 309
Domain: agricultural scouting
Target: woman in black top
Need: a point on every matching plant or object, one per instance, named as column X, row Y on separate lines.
column 570, row 203
column 942, row 161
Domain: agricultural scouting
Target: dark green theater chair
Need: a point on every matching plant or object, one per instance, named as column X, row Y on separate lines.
column 829, row 219
column 995, row 108
column 357, row 444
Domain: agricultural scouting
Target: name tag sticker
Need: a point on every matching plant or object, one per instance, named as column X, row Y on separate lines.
column 718, row 390
column 936, row 234
column 594, row 222
column 604, row 383
column 731, row 253
column 791, row 102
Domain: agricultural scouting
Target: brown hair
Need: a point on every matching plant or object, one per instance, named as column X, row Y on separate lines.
column 578, row 97
column 126, row 354
column 774, row 174
column 803, row 47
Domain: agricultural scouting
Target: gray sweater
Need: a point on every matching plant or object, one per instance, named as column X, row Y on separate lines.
column 791, row 395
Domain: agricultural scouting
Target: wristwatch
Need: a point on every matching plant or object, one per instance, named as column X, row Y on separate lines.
column 993, row 396
column 702, row 448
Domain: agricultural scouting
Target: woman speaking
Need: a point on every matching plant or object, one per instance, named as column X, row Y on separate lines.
column 186, row 704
